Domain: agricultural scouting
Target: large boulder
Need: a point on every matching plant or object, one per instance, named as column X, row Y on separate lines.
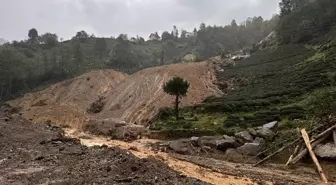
column 326, row 150
column 272, row 126
column 252, row 148
column 249, row 149
column 226, row 143
column 245, row 135
column 179, row 146
column 233, row 154
column 265, row 133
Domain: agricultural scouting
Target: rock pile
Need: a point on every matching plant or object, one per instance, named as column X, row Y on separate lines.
column 247, row 142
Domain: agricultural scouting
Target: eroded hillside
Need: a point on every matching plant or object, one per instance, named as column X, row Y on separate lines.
column 134, row 98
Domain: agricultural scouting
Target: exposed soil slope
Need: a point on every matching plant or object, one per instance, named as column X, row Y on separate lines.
column 134, row 98
column 65, row 103
column 140, row 96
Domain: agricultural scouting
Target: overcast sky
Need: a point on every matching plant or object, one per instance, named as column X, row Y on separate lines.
column 111, row 17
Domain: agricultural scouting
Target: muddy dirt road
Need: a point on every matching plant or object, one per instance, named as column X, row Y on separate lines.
column 209, row 170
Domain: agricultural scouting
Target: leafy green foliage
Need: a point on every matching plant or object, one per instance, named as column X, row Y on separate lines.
column 177, row 87
column 100, row 46
column 49, row 39
column 323, row 102
column 302, row 21
column 43, row 60
column 33, row 34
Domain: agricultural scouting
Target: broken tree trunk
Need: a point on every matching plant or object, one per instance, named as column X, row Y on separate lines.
column 296, row 151
column 281, row 149
column 326, row 132
column 304, row 152
column 313, row 156
column 314, row 142
column 278, row 151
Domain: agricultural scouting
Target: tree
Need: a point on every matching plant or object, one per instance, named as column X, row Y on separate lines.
column 177, row 87
column 81, row 35
column 195, row 31
column 162, row 56
column 141, row 40
column 234, row 24
column 157, row 35
column 287, row 6
column 100, row 46
column 78, row 56
column 166, row 36
column 121, row 55
column 49, row 39
column 33, row 34
column 202, row 26
column 183, row 34
column 175, row 32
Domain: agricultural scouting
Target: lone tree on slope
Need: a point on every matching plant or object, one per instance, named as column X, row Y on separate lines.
column 177, row 87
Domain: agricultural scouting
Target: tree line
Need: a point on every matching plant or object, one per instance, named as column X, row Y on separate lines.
column 45, row 58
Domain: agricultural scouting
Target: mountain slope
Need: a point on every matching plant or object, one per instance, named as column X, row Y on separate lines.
column 134, row 98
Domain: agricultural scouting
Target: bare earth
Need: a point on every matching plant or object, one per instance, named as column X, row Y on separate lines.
column 134, row 98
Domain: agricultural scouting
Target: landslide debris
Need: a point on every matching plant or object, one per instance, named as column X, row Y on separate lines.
column 109, row 95
column 40, row 154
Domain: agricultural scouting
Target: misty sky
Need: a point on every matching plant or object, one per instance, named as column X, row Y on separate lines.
column 111, row 17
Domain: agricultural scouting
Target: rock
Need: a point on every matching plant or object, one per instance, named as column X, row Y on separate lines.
column 210, row 141
column 245, row 135
column 250, row 148
column 265, row 133
column 252, row 131
column 228, row 137
column 326, row 150
column 272, row 126
column 194, row 140
column 232, row 153
column 224, row 144
column 260, row 141
column 179, row 146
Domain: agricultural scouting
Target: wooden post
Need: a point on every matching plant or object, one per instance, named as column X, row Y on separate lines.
column 312, row 155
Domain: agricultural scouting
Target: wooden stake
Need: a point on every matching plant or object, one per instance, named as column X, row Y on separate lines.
column 312, row 155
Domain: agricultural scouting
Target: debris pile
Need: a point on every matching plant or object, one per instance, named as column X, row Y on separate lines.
column 248, row 142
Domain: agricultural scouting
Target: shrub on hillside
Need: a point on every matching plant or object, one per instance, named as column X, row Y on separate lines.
column 323, row 102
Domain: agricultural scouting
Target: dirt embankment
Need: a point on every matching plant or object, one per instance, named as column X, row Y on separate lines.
column 134, row 98
column 65, row 103
column 140, row 96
